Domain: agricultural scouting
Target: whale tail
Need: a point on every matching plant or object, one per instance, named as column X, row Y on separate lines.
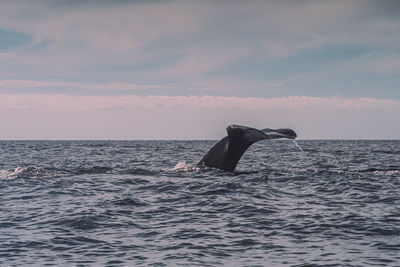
column 227, row 152
column 279, row 133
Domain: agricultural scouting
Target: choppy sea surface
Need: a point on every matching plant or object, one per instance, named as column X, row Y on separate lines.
column 144, row 203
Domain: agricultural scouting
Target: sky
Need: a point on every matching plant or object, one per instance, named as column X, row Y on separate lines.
column 187, row 69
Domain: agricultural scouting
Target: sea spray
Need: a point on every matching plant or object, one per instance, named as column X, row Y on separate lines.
column 180, row 165
column 183, row 166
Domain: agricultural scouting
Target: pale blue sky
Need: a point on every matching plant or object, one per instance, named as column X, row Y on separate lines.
column 83, row 54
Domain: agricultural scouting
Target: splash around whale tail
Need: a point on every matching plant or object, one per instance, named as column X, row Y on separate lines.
column 227, row 152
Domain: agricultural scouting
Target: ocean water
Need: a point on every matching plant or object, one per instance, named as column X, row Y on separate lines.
column 144, row 203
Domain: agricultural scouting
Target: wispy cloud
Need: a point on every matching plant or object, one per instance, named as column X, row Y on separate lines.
column 384, row 63
column 68, row 102
column 212, row 85
column 191, row 117
column 32, row 84
column 190, row 39
column 7, row 55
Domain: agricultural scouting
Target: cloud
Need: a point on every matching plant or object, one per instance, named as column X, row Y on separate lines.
column 68, row 102
column 199, row 62
column 6, row 55
column 191, row 117
column 259, row 48
column 32, row 84
column 190, row 38
column 217, row 85
column 384, row 63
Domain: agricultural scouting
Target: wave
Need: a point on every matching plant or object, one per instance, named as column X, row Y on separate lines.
column 372, row 170
column 182, row 166
column 32, row 172
column 129, row 202
column 41, row 172
column 378, row 170
column 94, row 170
column 140, row 171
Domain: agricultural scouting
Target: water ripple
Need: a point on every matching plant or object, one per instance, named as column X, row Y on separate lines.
column 123, row 203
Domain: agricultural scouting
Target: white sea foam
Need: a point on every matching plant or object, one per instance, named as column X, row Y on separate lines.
column 12, row 173
column 30, row 172
column 180, row 165
column 183, row 166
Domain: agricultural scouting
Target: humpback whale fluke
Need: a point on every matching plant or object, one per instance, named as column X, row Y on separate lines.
column 227, row 152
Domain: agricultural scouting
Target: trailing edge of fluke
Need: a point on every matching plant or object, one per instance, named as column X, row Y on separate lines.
column 227, row 152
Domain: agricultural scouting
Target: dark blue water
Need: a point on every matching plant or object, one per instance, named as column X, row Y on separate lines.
column 130, row 203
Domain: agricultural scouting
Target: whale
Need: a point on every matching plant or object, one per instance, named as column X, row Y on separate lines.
column 226, row 154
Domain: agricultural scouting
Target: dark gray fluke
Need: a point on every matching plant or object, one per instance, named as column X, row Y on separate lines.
column 227, row 152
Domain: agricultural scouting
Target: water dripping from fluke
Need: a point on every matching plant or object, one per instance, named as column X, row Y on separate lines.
column 298, row 146
column 304, row 155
